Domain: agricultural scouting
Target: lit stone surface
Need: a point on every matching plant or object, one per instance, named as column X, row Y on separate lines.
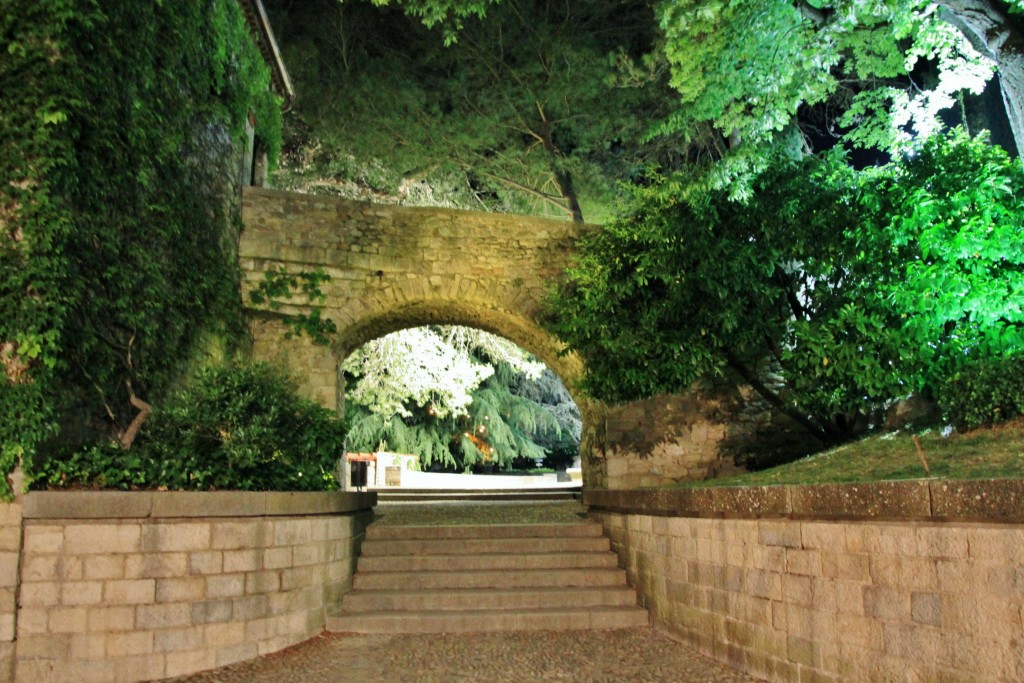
column 794, row 600
column 157, row 596
column 636, row 655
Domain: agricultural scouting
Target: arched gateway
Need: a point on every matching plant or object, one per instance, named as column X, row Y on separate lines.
column 393, row 267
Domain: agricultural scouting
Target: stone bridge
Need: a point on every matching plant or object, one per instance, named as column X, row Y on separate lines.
column 394, row 267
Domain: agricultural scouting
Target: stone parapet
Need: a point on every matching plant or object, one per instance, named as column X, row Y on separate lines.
column 992, row 500
column 148, row 585
column 182, row 504
column 826, row 584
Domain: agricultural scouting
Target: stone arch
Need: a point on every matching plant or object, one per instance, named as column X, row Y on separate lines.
column 524, row 333
column 392, row 267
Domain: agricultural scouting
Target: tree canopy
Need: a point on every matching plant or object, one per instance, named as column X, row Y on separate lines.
column 849, row 288
column 455, row 396
column 530, row 110
column 528, row 106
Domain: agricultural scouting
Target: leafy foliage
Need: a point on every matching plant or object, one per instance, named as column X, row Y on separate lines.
column 117, row 245
column 984, row 392
column 850, row 288
column 751, row 70
column 278, row 285
column 239, row 428
column 452, row 395
column 954, row 214
column 529, row 111
column 534, row 107
column 449, row 14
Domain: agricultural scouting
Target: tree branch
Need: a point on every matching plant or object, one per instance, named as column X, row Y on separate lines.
column 144, row 410
column 817, row 431
column 791, row 298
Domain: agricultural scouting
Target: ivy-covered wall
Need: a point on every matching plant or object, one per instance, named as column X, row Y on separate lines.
column 118, row 139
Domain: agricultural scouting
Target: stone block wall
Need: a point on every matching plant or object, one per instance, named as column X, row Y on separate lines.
column 667, row 439
column 856, row 600
column 136, row 588
column 392, row 267
column 10, row 552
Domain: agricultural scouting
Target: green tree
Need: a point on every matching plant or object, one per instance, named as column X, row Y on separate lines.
column 853, row 59
column 116, row 253
column 853, row 288
column 452, row 395
column 530, row 110
column 747, row 73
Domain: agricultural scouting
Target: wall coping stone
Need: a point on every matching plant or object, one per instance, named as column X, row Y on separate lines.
column 252, row 192
column 186, row 504
column 982, row 500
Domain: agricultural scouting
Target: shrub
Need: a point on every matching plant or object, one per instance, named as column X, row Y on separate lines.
column 984, row 392
column 238, row 428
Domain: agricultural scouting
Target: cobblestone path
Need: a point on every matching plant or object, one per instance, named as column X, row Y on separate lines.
column 640, row 655
column 635, row 655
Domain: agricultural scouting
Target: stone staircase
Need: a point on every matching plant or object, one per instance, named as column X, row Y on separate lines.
column 446, row 579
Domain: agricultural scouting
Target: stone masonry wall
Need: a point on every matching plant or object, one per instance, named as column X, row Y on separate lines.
column 801, row 600
column 133, row 596
column 668, row 439
column 393, row 267
column 10, row 553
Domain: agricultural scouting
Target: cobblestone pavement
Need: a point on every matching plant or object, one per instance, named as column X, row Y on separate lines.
column 640, row 655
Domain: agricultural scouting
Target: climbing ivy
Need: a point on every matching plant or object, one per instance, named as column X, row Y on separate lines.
column 120, row 128
column 280, row 284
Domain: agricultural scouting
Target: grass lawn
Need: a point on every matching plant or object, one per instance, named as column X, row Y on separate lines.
column 996, row 452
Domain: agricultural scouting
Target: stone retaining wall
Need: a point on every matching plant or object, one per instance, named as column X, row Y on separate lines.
column 138, row 586
column 818, row 584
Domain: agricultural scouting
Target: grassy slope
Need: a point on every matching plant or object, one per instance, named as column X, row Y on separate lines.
column 996, row 452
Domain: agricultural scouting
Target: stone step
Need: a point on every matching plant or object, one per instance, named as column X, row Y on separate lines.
column 582, row 529
column 488, row 620
column 488, row 546
column 501, row 561
column 457, row 579
column 401, row 496
column 433, row 580
column 518, row 599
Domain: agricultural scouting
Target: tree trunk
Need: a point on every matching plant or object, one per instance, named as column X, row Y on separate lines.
column 144, row 410
column 993, row 32
column 822, row 434
column 562, row 177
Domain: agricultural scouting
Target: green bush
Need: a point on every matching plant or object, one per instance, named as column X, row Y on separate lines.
column 984, row 392
column 238, row 428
